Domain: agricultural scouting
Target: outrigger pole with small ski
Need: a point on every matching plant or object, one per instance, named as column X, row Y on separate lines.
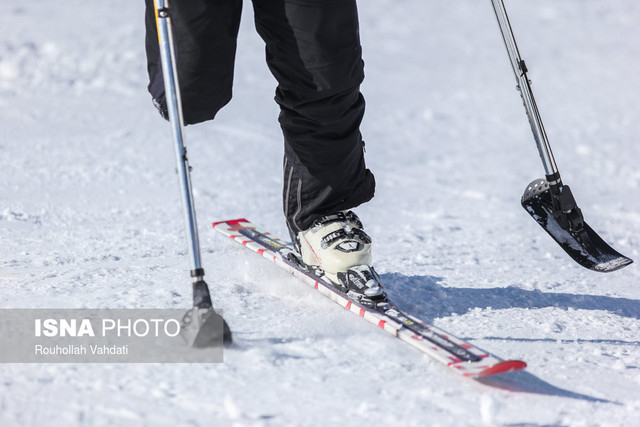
column 548, row 200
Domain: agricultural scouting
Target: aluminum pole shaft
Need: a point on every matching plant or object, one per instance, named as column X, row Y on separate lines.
column 524, row 86
column 172, row 94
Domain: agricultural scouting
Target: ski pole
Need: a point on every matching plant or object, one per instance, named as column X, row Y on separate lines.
column 201, row 295
column 548, row 200
column 524, row 86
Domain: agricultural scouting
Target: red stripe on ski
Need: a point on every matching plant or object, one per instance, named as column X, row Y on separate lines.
column 231, row 222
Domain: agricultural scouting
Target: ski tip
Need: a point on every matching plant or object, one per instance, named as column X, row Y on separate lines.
column 503, row 367
column 614, row 264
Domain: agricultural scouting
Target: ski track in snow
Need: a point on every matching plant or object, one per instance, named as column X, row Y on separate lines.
column 90, row 217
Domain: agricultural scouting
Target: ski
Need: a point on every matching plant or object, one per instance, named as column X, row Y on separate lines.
column 459, row 355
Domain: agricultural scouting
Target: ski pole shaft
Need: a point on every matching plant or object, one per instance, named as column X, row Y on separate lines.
column 201, row 325
column 524, row 86
column 172, row 94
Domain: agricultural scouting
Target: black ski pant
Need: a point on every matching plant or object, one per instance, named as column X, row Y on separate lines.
column 313, row 50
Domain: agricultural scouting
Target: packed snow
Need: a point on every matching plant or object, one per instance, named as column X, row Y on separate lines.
column 91, row 217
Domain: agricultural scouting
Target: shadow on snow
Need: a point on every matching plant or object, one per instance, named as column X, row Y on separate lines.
column 426, row 298
column 525, row 382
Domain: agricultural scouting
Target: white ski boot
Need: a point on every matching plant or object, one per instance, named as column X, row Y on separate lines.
column 337, row 245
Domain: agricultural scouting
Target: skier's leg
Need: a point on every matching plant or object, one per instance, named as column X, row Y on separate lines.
column 205, row 34
column 313, row 50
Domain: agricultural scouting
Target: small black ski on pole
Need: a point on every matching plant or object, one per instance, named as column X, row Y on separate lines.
column 201, row 325
column 548, row 200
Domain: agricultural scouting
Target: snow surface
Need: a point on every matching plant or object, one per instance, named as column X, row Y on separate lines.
column 90, row 217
